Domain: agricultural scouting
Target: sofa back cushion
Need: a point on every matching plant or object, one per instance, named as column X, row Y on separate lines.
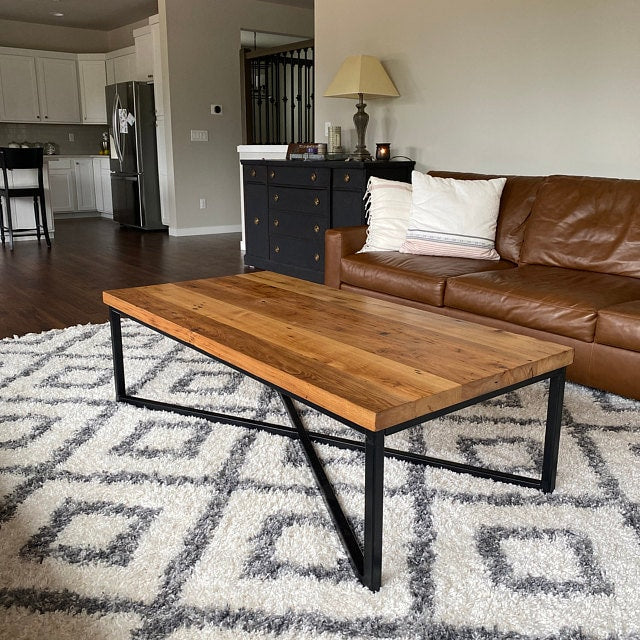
column 518, row 196
column 591, row 224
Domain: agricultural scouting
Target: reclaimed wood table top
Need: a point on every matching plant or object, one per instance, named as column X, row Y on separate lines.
column 372, row 362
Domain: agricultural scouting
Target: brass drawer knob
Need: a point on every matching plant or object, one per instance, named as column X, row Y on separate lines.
column 277, row 249
column 252, row 173
column 276, row 197
column 317, row 257
column 316, row 201
column 316, row 228
column 272, row 174
column 276, row 222
column 256, row 221
column 347, row 177
column 314, row 176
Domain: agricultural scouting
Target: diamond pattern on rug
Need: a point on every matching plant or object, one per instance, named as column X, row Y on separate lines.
column 138, row 533
column 510, row 568
column 122, row 523
column 134, row 442
column 117, row 531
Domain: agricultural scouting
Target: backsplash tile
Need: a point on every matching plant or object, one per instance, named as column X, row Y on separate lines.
column 87, row 136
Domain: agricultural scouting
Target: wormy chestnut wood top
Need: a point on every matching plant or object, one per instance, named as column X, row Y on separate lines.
column 372, row 362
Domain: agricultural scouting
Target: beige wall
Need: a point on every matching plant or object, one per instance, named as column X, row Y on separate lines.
column 27, row 35
column 520, row 86
column 203, row 68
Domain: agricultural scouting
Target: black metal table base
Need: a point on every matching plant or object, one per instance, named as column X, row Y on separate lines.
column 366, row 559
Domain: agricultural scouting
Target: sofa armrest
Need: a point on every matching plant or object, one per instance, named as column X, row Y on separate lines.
column 339, row 243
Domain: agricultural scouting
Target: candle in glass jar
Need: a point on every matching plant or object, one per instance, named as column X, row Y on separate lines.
column 383, row 150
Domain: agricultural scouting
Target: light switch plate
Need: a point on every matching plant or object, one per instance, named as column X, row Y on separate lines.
column 199, row 135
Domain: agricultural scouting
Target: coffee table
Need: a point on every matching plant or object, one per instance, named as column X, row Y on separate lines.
column 375, row 366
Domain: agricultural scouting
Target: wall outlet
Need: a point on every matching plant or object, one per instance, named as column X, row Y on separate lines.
column 203, row 203
column 216, row 109
column 326, row 129
column 199, row 135
column 72, row 137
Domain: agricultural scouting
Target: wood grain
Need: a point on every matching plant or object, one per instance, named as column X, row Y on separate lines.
column 372, row 362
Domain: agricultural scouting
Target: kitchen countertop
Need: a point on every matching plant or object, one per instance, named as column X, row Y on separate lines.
column 75, row 155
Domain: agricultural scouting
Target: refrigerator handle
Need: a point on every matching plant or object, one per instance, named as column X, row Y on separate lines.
column 116, row 128
column 139, row 166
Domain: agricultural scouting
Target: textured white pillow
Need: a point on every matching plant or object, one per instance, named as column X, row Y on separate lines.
column 454, row 218
column 388, row 208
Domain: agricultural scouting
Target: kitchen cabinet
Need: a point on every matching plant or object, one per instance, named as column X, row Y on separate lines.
column 158, row 78
column 144, row 54
column 93, row 79
column 71, row 184
column 58, row 90
column 19, row 89
column 85, row 191
column 102, row 185
column 121, row 65
column 38, row 88
column 289, row 204
column 62, row 185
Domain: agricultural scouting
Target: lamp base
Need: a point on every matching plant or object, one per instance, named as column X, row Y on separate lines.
column 360, row 120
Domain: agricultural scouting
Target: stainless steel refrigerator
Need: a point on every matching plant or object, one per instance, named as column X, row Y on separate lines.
column 134, row 162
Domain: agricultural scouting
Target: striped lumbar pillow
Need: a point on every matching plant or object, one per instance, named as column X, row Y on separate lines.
column 454, row 218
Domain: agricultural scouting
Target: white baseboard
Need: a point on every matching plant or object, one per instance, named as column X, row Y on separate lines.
column 203, row 231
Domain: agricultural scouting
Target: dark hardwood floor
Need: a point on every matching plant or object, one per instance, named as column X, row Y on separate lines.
column 54, row 288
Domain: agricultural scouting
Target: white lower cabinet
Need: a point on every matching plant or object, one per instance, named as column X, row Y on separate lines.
column 102, row 184
column 85, row 191
column 72, row 184
column 62, row 185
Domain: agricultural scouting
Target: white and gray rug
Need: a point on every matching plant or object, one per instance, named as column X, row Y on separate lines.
column 118, row 522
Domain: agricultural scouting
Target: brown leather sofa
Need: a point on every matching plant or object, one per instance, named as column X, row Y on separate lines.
column 569, row 272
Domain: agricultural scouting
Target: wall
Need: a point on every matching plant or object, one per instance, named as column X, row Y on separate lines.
column 528, row 87
column 203, row 68
column 27, row 35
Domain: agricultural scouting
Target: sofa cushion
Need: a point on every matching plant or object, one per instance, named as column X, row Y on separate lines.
column 453, row 218
column 561, row 301
column 619, row 326
column 591, row 224
column 517, row 199
column 419, row 278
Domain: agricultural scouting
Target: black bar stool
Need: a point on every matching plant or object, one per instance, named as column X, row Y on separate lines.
column 11, row 159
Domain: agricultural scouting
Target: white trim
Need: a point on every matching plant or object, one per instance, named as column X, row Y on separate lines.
column 203, row 231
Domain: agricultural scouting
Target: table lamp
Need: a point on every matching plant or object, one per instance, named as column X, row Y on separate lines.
column 361, row 76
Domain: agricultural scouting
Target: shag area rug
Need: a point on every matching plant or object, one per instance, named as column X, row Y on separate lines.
column 118, row 522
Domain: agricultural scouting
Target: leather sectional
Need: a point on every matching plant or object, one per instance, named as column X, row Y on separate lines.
column 569, row 272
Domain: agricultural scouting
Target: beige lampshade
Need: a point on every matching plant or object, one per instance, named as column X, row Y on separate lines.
column 361, row 74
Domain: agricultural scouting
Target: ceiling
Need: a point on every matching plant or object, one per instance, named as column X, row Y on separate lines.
column 103, row 15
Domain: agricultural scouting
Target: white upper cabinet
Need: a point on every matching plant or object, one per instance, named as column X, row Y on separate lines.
column 19, row 89
column 58, row 90
column 121, row 65
column 38, row 86
column 93, row 78
column 144, row 54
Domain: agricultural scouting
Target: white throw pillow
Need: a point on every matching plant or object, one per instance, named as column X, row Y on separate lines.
column 388, row 205
column 454, row 218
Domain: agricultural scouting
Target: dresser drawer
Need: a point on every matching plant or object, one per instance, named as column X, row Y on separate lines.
column 303, row 200
column 300, row 176
column 301, row 225
column 298, row 252
column 349, row 178
column 254, row 173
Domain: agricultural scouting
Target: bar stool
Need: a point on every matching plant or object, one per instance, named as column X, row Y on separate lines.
column 11, row 159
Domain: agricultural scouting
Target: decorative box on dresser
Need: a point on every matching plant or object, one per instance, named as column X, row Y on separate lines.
column 289, row 204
